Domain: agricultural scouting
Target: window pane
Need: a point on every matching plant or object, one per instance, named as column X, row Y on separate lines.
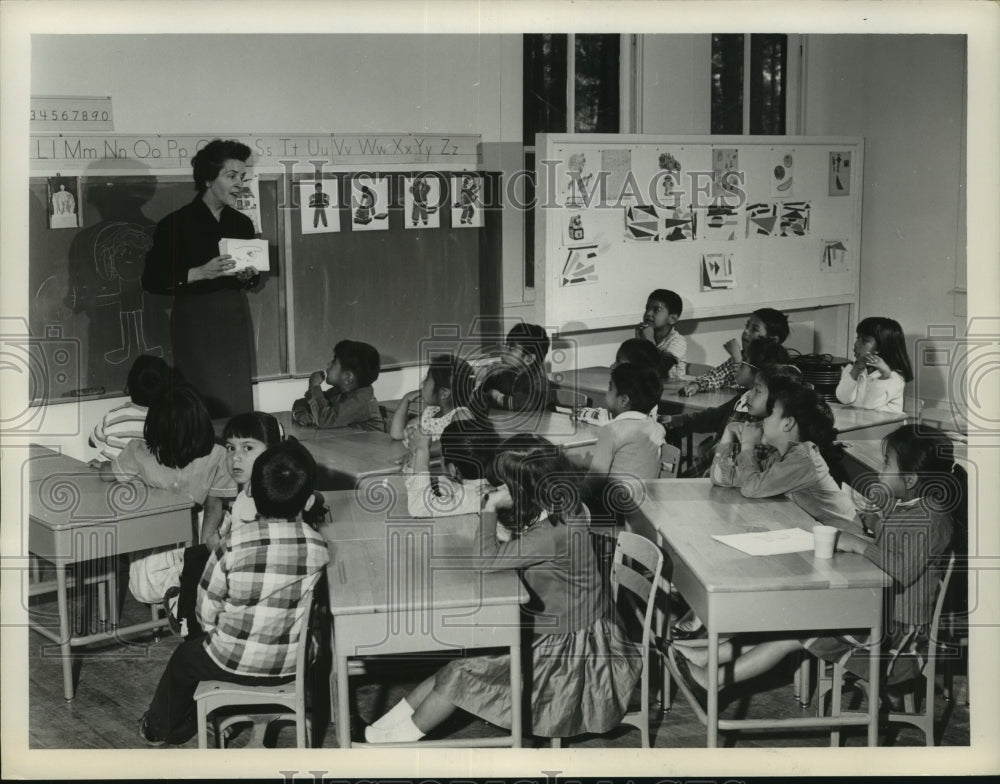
column 544, row 85
column 529, row 220
column 768, row 58
column 727, row 83
column 597, row 84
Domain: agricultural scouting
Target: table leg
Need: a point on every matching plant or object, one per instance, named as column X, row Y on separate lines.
column 516, row 696
column 836, row 695
column 65, row 634
column 712, row 706
column 343, row 705
column 874, row 687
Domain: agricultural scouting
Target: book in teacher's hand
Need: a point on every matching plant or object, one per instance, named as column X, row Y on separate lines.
column 246, row 253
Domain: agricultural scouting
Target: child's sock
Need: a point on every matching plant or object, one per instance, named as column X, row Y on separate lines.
column 403, row 732
column 396, row 714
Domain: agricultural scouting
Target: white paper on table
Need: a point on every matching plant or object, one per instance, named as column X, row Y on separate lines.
column 246, row 253
column 785, row 540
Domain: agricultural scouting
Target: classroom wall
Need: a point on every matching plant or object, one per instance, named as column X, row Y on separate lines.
column 906, row 95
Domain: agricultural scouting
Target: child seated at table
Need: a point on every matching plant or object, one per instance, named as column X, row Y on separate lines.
column 350, row 402
column 147, row 377
column 760, row 354
column 924, row 494
column 583, row 668
column 518, row 381
column 881, row 367
column 177, row 453
column 765, row 323
column 663, row 309
column 467, row 451
column 252, row 600
column 445, row 395
column 638, row 352
column 799, row 429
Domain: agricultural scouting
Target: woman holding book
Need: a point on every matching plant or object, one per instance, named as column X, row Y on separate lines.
column 210, row 318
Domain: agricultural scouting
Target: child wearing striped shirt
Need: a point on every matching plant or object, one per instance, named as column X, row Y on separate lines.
column 253, row 597
column 146, row 378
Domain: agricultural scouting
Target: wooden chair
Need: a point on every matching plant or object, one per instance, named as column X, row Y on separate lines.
column 263, row 705
column 641, row 577
column 922, row 719
column 670, row 461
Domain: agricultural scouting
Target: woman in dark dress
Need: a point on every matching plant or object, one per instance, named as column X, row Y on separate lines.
column 210, row 319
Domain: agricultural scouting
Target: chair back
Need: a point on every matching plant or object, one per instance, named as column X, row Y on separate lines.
column 642, row 576
column 670, row 461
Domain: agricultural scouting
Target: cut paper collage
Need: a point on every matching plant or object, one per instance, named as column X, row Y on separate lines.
column 778, row 219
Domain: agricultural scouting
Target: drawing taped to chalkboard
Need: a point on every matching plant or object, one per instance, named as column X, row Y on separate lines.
column 421, row 200
column 318, row 206
column 64, row 212
column 580, row 266
column 642, row 223
column 719, row 222
column 678, row 223
column 369, row 200
column 781, row 173
column 795, row 218
column 727, row 179
column 762, row 219
column 467, row 209
column 669, row 175
column 840, row 173
column 717, row 271
column 835, row 257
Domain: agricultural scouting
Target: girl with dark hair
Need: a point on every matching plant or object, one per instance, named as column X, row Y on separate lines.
column 177, row 453
column 922, row 494
column 881, row 367
column 583, row 669
column 210, row 317
column 799, row 429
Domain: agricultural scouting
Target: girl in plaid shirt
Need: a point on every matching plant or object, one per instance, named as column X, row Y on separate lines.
column 253, row 597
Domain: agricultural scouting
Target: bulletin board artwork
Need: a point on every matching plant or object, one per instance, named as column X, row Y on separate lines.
column 729, row 223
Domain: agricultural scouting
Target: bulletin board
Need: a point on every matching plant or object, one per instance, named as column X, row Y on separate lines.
column 731, row 223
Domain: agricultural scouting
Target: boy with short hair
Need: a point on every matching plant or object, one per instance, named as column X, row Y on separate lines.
column 351, row 400
column 146, row 378
column 663, row 310
column 518, row 383
column 252, row 598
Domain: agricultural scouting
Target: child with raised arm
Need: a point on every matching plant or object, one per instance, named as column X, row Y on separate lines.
column 518, row 382
column 147, row 377
column 763, row 323
column 252, row 600
column 663, row 309
column 881, row 367
column 350, row 402
column 468, row 448
column 583, row 668
column 799, row 428
column 924, row 496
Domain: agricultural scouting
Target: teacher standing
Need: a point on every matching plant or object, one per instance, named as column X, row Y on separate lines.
column 210, row 319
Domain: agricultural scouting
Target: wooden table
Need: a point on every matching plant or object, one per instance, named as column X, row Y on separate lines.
column 732, row 592
column 593, row 382
column 403, row 585
column 865, row 423
column 74, row 517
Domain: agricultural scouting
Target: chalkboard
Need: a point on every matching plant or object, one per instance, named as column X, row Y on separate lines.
column 731, row 223
column 396, row 287
column 86, row 300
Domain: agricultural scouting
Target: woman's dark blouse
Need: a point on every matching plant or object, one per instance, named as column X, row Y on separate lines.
column 188, row 238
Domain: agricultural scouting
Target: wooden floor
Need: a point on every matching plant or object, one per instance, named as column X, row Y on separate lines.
column 117, row 681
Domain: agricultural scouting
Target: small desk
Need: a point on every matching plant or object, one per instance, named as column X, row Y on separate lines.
column 732, row 592
column 865, row 423
column 403, row 585
column 74, row 516
column 593, row 382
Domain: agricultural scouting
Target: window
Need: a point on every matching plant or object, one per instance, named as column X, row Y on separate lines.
column 550, row 62
column 749, row 83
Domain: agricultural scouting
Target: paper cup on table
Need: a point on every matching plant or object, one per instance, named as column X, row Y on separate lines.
column 824, row 540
